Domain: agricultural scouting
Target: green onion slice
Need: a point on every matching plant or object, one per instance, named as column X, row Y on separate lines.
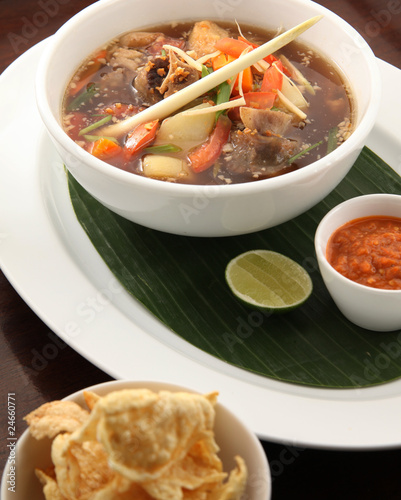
column 163, row 148
column 83, row 97
column 304, row 152
column 95, row 125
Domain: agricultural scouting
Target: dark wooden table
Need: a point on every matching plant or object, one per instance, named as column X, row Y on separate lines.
column 307, row 473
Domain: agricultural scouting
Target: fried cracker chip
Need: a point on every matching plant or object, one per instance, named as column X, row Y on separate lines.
column 138, row 444
column 51, row 490
column 81, row 468
column 121, row 489
column 52, row 418
column 234, row 488
column 144, row 433
column 90, row 399
column 200, row 466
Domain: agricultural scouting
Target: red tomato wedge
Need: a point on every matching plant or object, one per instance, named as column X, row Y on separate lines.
column 205, row 155
column 273, row 79
column 269, row 59
column 140, row 137
column 231, row 46
column 105, row 148
column 258, row 100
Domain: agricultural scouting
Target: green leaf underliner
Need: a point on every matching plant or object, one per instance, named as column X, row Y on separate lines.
column 181, row 281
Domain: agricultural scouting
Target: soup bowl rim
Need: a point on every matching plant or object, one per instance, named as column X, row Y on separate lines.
column 169, row 188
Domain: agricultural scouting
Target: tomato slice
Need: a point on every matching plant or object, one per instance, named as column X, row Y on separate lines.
column 140, row 137
column 205, row 155
column 231, row 46
column 273, row 79
column 258, row 100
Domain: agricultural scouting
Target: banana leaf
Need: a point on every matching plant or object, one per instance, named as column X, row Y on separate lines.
column 181, row 281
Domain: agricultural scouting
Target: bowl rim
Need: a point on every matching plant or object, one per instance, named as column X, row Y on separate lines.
column 177, row 189
column 319, row 240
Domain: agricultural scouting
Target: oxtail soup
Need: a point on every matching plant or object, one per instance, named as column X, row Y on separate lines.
column 296, row 106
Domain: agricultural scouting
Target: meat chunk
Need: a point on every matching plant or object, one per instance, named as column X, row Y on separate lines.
column 136, row 39
column 163, row 76
column 203, row 37
column 150, row 78
column 265, row 120
column 113, row 80
column 126, row 58
column 254, row 153
column 180, row 75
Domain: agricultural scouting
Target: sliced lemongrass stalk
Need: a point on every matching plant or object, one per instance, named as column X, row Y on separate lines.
column 188, row 59
column 296, row 98
column 264, row 65
column 261, row 65
column 95, row 125
column 218, row 107
column 206, row 57
column 239, row 29
column 290, row 106
column 297, row 75
column 181, row 98
column 241, row 73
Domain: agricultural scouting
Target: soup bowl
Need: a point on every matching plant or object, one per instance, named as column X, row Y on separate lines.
column 197, row 210
column 232, row 436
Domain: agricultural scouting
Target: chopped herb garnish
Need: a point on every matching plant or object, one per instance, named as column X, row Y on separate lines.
column 89, row 91
column 95, row 125
column 222, row 95
column 206, row 71
column 304, row 152
column 332, row 140
column 163, row 148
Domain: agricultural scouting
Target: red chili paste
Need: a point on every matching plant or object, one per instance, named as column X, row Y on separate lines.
column 368, row 251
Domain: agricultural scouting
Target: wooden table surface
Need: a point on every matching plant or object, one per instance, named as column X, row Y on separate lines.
column 308, row 473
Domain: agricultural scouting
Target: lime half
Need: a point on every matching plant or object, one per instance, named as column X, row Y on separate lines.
column 268, row 280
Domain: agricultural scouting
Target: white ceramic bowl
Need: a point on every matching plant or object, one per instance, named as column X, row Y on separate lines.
column 370, row 308
column 232, row 436
column 207, row 210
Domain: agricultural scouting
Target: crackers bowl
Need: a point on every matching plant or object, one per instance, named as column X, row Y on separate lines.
column 232, row 437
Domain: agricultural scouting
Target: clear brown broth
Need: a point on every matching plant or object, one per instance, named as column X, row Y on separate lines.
column 330, row 107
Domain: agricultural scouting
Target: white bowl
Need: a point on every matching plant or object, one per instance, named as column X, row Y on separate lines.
column 207, row 210
column 370, row 308
column 233, row 437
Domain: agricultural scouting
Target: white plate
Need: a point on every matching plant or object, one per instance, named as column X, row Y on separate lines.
column 53, row 266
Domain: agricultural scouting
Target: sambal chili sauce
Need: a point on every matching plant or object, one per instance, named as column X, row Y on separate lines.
column 368, row 251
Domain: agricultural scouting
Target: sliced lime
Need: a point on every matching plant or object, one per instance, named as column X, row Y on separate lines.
column 268, row 280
